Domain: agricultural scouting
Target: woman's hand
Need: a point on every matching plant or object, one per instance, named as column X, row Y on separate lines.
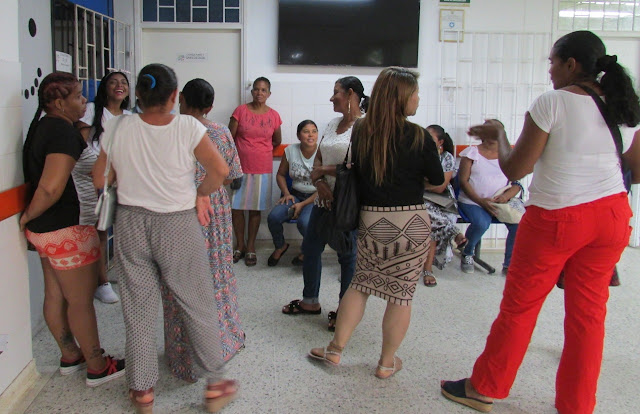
column 501, row 199
column 325, row 195
column 490, row 131
column 204, row 210
column 24, row 219
column 297, row 209
column 286, row 199
column 317, row 173
column 487, row 204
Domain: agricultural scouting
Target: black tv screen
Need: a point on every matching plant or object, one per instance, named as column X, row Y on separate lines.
column 348, row 32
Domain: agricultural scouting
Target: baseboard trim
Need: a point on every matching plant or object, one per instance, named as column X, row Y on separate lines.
column 24, row 389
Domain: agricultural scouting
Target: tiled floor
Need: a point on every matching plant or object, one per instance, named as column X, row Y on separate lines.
column 449, row 325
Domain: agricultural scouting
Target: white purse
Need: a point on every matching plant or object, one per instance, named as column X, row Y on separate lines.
column 512, row 211
column 108, row 200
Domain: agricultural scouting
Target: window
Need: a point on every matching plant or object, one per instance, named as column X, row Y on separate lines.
column 599, row 15
column 191, row 11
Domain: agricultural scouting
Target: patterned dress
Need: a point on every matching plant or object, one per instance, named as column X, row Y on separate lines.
column 218, row 236
column 443, row 223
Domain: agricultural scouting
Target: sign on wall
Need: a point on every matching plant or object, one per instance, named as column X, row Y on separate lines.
column 451, row 25
column 457, row 2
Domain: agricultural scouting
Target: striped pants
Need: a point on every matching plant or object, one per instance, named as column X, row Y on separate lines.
column 169, row 247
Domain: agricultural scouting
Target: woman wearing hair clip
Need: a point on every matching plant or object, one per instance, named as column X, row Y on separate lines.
column 111, row 100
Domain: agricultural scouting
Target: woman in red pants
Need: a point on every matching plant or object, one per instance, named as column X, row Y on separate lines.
column 577, row 219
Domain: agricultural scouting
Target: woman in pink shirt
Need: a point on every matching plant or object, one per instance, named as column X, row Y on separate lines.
column 255, row 127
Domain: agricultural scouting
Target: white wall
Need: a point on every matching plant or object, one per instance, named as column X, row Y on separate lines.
column 14, row 275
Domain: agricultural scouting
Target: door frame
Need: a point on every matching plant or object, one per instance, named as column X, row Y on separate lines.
column 139, row 26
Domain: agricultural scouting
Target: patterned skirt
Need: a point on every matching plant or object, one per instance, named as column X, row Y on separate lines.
column 254, row 194
column 393, row 243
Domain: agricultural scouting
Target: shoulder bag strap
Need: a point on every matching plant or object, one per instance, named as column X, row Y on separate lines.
column 112, row 135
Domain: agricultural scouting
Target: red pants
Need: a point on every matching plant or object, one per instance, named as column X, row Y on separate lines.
column 587, row 241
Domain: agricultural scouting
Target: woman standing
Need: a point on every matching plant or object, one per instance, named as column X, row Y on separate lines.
column 69, row 252
column 349, row 99
column 577, row 219
column 158, row 233
column 111, row 100
column 296, row 202
column 443, row 221
column 255, row 127
column 392, row 157
column 196, row 99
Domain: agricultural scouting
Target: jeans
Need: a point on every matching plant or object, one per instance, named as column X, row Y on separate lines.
column 480, row 220
column 312, row 267
column 279, row 215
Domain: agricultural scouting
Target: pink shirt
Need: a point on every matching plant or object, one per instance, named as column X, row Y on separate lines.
column 253, row 139
column 486, row 176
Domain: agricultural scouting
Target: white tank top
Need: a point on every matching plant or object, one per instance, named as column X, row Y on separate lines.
column 300, row 169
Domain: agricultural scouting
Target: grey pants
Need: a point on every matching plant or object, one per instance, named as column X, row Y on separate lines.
column 150, row 247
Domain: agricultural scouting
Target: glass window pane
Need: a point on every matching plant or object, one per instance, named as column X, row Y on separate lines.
column 611, row 16
column 167, row 3
column 215, row 10
column 150, row 11
column 200, row 15
column 167, row 15
column 183, row 10
column 626, row 16
column 232, row 3
column 232, row 16
column 199, row 2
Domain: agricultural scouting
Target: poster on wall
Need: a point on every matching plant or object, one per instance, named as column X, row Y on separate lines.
column 63, row 62
column 451, row 25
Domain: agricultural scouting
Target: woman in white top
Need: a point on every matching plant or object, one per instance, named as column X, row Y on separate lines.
column 577, row 219
column 296, row 202
column 111, row 100
column 480, row 177
column 158, row 234
column 349, row 99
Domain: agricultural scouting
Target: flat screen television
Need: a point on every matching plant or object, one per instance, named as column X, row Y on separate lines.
column 373, row 33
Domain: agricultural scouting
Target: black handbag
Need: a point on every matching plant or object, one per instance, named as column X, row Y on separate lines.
column 338, row 240
column 615, row 133
column 346, row 197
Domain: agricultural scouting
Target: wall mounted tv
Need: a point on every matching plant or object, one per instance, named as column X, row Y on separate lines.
column 374, row 33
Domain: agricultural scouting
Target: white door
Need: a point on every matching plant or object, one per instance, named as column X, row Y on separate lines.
column 213, row 55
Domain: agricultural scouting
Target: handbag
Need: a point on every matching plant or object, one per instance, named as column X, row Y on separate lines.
column 108, row 200
column 512, row 211
column 338, row 240
column 236, row 183
column 346, row 197
column 615, row 134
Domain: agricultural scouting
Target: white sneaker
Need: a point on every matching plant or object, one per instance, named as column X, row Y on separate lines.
column 466, row 264
column 105, row 294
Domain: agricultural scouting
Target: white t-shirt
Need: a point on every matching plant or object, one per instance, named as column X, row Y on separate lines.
column 486, row 176
column 155, row 165
column 88, row 118
column 334, row 147
column 300, row 169
column 579, row 163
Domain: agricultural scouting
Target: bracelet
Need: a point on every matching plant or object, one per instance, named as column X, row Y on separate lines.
column 315, row 183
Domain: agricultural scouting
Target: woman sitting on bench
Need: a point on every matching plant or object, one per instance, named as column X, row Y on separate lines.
column 480, row 177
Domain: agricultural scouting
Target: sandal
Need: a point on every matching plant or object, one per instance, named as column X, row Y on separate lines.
column 294, row 308
column 272, row 261
column 395, row 368
column 297, row 261
column 250, row 259
column 429, row 279
column 228, row 390
column 321, row 354
column 454, row 391
column 141, row 407
column 237, row 255
column 333, row 318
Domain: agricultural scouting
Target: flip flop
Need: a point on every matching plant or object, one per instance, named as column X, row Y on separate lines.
column 454, row 391
column 294, row 308
column 237, row 255
column 250, row 259
column 428, row 283
column 333, row 318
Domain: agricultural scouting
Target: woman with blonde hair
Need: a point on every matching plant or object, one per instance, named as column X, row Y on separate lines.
column 392, row 158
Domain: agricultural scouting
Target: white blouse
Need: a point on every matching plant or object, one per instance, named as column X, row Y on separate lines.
column 334, row 146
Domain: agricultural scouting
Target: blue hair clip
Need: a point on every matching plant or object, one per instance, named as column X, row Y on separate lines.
column 153, row 80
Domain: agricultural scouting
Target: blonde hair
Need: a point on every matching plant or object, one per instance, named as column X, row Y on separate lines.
column 386, row 120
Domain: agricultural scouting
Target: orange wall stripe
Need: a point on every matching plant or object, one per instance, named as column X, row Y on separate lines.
column 13, row 201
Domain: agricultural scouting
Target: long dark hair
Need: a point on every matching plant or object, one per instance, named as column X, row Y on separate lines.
column 588, row 50
column 304, row 124
column 56, row 85
column 353, row 83
column 100, row 101
column 156, row 83
column 441, row 134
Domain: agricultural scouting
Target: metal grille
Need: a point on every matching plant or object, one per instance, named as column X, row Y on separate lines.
column 191, row 11
column 599, row 15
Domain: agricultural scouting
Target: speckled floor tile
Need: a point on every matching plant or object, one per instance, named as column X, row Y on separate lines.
column 448, row 329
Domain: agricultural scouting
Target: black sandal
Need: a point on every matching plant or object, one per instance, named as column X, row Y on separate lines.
column 294, row 308
column 454, row 391
column 333, row 318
